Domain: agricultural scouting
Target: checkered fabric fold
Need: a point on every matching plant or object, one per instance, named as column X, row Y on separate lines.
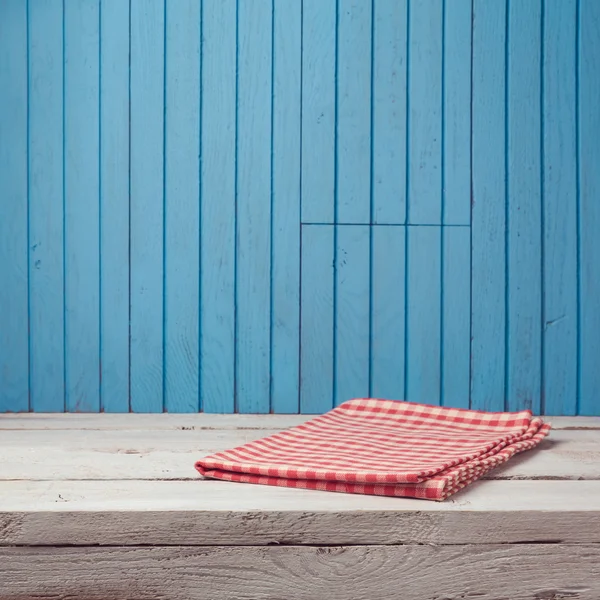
column 382, row 447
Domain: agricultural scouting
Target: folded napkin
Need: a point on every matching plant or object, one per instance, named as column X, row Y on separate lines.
column 382, row 447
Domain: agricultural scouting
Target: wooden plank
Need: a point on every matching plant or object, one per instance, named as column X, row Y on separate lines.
column 456, row 115
column 114, row 206
column 46, row 234
column 150, row 422
column 182, row 210
column 425, row 24
column 217, row 238
column 524, row 202
column 559, row 386
column 456, row 316
column 253, row 217
column 389, row 111
column 215, row 513
column 316, row 319
column 488, row 309
column 574, row 423
column 388, row 297
column 589, row 206
column 423, row 321
column 285, row 249
column 249, row 528
column 319, row 46
column 147, row 197
column 129, row 454
column 81, row 209
column 279, row 572
column 352, row 307
column 14, row 252
column 354, row 77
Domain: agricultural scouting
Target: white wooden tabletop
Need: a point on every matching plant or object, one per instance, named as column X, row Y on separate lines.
column 57, row 472
column 107, row 507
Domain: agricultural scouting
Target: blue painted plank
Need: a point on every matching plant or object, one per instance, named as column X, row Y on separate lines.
column 389, row 111
column 353, row 171
column 319, row 66
column 488, row 309
column 524, row 316
column 423, row 325
column 82, row 242
column 589, row 205
column 456, row 316
column 147, row 210
column 285, row 250
column 114, row 206
column 46, row 276
column 352, row 309
column 182, row 206
column 253, row 273
column 217, row 238
column 425, row 112
column 559, row 386
column 388, row 295
column 316, row 326
column 14, row 361
column 457, row 113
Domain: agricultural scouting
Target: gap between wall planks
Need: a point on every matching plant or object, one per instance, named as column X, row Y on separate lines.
column 165, row 168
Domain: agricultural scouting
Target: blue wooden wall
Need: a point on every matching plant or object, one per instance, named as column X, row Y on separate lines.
column 277, row 205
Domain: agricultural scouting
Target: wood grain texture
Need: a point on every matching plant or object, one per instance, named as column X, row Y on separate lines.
column 456, row 119
column 114, row 206
column 352, row 308
column 285, row 249
column 425, row 24
column 162, row 422
column 423, row 305
column 536, row 499
column 388, row 136
column 354, row 63
column 158, row 161
column 182, row 207
column 170, row 455
column 589, row 206
column 81, row 210
column 217, row 263
column 456, row 317
column 254, row 200
column 83, row 513
column 378, row 572
column 46, row 232
column 388, row 302
column 14, row 294
column 165, row 422
column 147, row 205
column 524, row 204
column 319, row 46
column 559, row 385
column 316, row 319
column 488, row 308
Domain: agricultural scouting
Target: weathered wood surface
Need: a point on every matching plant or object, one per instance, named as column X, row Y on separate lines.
column 59, row 454
column 131, row 421
column 500, row 572
column 110, row 507
column 222, row 513
column 108, row 421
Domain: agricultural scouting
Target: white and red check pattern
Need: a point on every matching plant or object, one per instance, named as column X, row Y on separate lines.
column 382, row 447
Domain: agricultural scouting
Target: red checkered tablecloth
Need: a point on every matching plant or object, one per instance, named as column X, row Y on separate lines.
column 382, row 447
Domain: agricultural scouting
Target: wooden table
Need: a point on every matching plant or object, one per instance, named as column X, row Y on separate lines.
column 109, row 507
